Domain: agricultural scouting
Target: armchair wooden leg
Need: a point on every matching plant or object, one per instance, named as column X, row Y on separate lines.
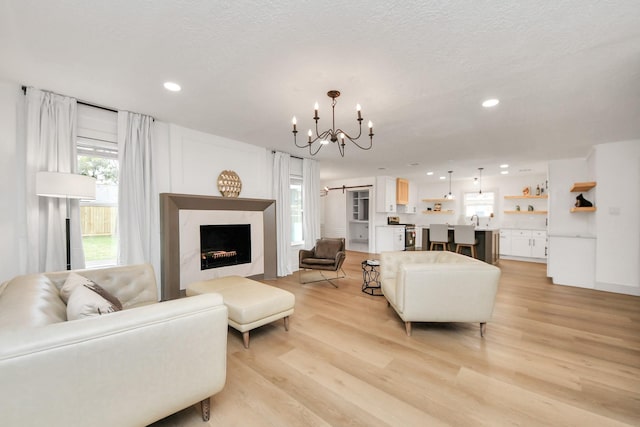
column 407, row 327
column 483, row 328
column 245, row 339
column 286, row 323
column 206, row 409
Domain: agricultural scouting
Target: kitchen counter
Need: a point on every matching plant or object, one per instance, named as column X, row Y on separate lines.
column 488, row 246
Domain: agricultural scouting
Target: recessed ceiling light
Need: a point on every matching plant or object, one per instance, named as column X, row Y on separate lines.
column 504, row 166
column 173, row 87
column 443, row 177
column 381, row 169
column 414, row 164
column 525, row 170
column 429, row 173
column 490, row 103
column 504, row 172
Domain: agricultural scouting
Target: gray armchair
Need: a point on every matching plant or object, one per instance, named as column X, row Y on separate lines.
column 327, row 255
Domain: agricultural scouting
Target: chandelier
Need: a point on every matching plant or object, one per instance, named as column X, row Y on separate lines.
column 332, row 135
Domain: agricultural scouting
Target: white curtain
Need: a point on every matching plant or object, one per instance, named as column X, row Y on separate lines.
column 137, row 198
column 310, row 201
column 281, row 194
column 50, row 146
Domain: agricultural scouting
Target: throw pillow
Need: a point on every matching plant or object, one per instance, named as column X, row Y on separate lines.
column 90, row 300
column 73, row 281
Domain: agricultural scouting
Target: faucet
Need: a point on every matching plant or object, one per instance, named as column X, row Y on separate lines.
column 477, row 220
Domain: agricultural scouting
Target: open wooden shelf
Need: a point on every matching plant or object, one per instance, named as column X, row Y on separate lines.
column 526, row 212
column 589, row 209
column 544, row 196
column 579, row 187
column 437, row 212
column 437, row 200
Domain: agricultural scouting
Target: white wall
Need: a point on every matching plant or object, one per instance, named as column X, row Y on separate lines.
column 197, row 158
column 11, row 114
column 617, row 172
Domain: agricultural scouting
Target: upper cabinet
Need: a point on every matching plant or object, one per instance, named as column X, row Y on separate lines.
column 402, row 191
column 412, row 206
column 385, row 194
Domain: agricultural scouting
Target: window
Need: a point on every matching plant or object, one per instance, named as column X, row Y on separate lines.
column 98, row 157
column 479, row 204
column 295, row 186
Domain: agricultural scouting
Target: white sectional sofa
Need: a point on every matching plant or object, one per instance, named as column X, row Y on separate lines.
column 127, row 368
column 438, row 286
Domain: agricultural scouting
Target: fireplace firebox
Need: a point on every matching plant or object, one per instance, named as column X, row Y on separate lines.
column 225, row 244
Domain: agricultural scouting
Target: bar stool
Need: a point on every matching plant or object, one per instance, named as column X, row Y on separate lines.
column 464, row 236
column 439, row 235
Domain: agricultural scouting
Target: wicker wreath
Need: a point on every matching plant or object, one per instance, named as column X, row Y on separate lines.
column 229, row 184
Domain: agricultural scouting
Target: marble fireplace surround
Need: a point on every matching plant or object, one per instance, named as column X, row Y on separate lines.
column 170, row 206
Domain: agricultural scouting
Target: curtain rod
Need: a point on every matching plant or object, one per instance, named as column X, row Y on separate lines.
column 24, row 90
column 295, row 157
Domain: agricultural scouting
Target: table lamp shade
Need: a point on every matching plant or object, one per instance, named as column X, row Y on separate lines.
column 65, row 185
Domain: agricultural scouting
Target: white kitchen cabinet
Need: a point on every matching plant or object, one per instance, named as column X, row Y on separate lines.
column 505, row 242
column 572, row 260
column 538, row 244
column 523, row 243
column 385, row 194
column 389, row 238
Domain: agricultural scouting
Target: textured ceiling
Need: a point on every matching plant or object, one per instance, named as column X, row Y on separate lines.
column 567, row 73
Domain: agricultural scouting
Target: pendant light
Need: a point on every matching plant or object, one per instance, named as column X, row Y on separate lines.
column 480, row 169
column 449, row 196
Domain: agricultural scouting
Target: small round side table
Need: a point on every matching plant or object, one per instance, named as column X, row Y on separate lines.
column 371, row 277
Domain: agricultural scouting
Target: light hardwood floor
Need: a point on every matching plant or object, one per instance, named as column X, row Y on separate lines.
column 552, row 356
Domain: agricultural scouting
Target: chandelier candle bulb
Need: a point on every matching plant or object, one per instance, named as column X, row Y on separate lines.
column 370, row 128
column 315, row 112
column 358, row 108
column 294, row 121
column 310, row 134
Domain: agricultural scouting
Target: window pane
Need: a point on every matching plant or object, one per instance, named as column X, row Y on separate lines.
column 98, row 217
column 295, row 186
column 479, row 204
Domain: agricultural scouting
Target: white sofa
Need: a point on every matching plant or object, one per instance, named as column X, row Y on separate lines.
column 438, row 286
column 128, row 368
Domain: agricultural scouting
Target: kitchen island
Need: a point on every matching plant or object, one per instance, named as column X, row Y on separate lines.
column 487, row 249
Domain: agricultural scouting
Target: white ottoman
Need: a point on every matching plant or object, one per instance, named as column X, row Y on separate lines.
column 250, row 303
